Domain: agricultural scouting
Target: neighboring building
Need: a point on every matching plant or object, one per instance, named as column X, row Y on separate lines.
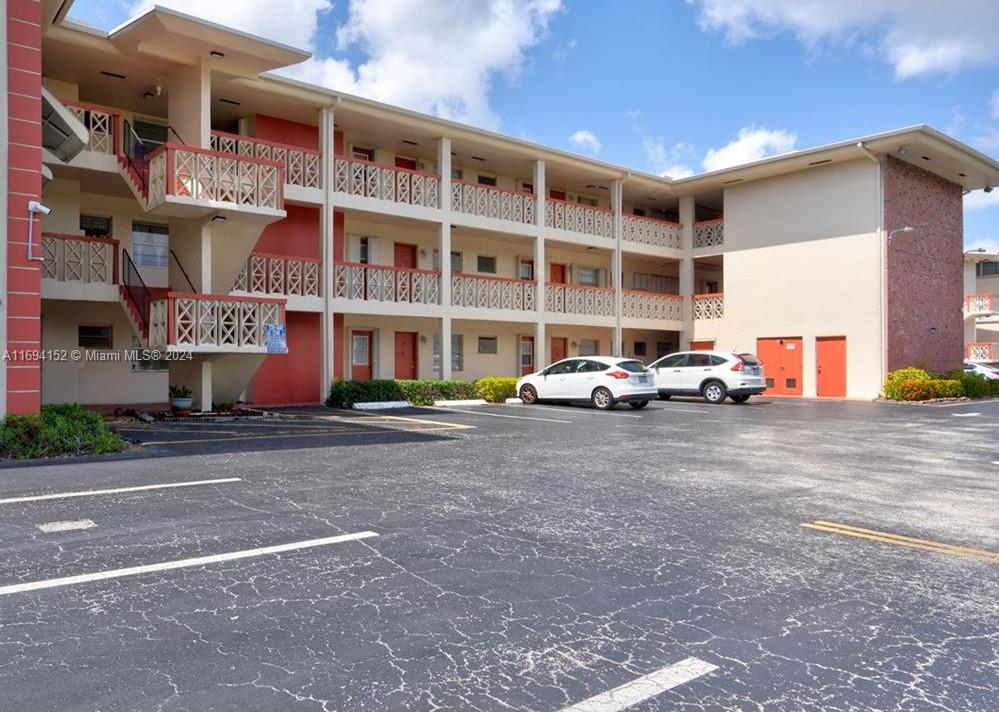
column 210, row 200
column 981, row 306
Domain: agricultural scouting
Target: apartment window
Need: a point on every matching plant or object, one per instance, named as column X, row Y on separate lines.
column 147, row 364
column 526, row 270
column 527, row 188
column 457, row 362
column 455, row 261
column 360, row 153
column 663, row 348
column 639, row 349
column 407, row 163
column 710, row 286
column 640, row 212
column 987, row 269
column 363, row 252
column 527, row 353
column 457, row 174
column 589, row 347
column 589, row 276
column 583, row 200
column 94, row 337
column 663, row 284
column 150, row 245
column 488, row 345
column 487, row 180
column 94, row 226
column 640, row 281
column 485, row 264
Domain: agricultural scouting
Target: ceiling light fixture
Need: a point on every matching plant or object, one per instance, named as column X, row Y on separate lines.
column 233, row 102
column 902, row 151
column 410, row 143
column 215, row 53
column 113, row 75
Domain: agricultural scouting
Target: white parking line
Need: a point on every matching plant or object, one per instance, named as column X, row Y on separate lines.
column 645, row 687
column 965, row 415
column 67, row 525
column 499, row 415
column 181, row 563
column 581, row 411
column 117, row 490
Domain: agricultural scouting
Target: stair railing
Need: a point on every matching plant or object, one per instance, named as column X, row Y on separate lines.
column 183, row 271
column 135, row 288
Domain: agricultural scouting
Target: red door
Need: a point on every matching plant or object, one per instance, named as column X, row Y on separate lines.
column 360, row 355
column 405, row 354
column 409, row 163
column 526, row 355
column 702, row 345
column 556, row 194
column 405, row 255
column 558, row 351
column 830, row 366
column 557, row 275
column 781, row 364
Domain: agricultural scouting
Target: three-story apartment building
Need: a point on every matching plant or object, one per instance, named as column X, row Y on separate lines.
column 981, row 305
column 265, row 236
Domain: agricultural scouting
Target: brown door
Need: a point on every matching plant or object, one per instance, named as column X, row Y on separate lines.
column 556, row 194
column 409, row 163
column 526, row 355
column 405, row 354
column 830, row 366
column 702, row 345
column 557, row 275
column 559, row 349
column 360, row 355
column 781, row 365
column 405, row 255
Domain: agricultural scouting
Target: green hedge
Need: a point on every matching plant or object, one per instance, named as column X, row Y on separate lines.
column 344, row 394
column 496, row 389
column 61, row 429
column 914, row 384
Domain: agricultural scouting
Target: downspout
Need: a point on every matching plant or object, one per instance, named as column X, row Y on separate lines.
column 883, row 263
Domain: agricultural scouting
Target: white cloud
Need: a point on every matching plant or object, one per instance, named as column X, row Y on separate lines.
column 668, row 160
column 915, row 36
column 752, row 144
column 438, row 57
column 586, row 140
column 979, row 200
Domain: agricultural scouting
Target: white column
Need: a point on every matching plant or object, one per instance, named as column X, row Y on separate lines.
column 540, row 268
column 326, row 145
column 444, row 246
column 617, row 193
column 189, row 104
column 206, row 258
column 206, row 385
column 687, row 269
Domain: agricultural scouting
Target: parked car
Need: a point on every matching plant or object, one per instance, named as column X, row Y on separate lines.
column 710, row 374
column 604, row 381
column 986, row 369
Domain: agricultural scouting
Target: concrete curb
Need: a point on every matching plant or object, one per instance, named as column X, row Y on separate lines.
column 513, row 401
column 470, row 401
column 382, row 405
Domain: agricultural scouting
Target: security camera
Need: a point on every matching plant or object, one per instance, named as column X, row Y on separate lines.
column 35, row 207
column 988, row 189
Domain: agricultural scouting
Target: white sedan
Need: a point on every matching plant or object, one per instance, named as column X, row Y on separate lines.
column 604, row 381
column 986, row 369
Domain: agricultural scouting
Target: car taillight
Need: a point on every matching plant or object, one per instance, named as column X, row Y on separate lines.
column 619, row 375
column 737, row 366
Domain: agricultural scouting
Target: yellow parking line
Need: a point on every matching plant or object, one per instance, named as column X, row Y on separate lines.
column 900, row 540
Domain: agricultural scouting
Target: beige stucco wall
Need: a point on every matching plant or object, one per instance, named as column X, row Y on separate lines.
column 93, row 383
column 802, row 259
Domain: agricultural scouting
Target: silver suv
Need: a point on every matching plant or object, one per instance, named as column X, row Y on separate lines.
column 710, row 374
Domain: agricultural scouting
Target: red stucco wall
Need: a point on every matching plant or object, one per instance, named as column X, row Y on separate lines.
column 297, row 235
column 293, row 377
column 284, row 131
column 925, row 279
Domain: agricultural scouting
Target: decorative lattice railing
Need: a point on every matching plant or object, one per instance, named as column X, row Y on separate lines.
column 396, row 185
column 650, row 231
column 709, row 306
column 983, row 351
column 574, row 217
column 709, row 233
column 101, row 121
column 579, row 299
column 652, row 305
column 280, row 274
column 484, row 292
column 213, row 322
column 302, row 166
column 203, row 174
column 489, row 202
column 384, row 283
column 980, row 304
column 74, row 258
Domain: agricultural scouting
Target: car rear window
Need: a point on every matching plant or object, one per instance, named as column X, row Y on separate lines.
column 749, row 359
column 632, row 366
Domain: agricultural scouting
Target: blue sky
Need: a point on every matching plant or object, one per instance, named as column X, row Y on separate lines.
column 675, row 86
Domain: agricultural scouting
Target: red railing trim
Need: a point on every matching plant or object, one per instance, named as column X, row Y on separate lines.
column 172, row 147
column 171, row 296
column 90, row 107
column 581, row 205
column 288, row 258
column 709, row 296
column 643, row 293
column 493, row 278
column 81, row 238
column 382, row 165
column 579, row 286
column 388, row 267
column 529, row 196
column 677, row 225
column 276, row 144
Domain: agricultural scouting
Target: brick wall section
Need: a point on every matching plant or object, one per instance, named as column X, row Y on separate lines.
column 925, row 279
column 24, row 183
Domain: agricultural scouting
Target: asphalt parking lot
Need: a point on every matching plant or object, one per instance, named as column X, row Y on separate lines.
column 775, row 555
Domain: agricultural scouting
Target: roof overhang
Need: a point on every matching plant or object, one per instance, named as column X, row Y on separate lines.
column 63, row 134
column 974, row 256
column 183, row 39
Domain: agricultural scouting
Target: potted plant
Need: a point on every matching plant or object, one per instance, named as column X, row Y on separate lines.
column 180, row 400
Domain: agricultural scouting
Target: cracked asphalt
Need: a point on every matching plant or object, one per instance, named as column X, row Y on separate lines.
column 540, row 557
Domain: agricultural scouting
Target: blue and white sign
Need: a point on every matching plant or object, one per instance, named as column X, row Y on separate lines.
column 277, row 338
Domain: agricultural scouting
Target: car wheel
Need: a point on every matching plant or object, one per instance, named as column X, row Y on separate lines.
column 528, row 395
column 602, row 399
column 638, row 405
column 714, row 391
column 665, row 396
column 739, row 399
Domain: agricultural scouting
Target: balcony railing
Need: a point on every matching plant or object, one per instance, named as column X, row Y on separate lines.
column 486, row 292
column 211, row 322
column 709, row 233
column 75, row 258
column 203, row 174
column 579, row 299
column 709, row 306
column 302, row 166
column 102, row 122
column 652, row 305
column 490, row 202
column 280, row 274
column 983, row 351
column 650, row 231
column 981, row 304
column 397, row 185
column 585, row 219
column 384, row 283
